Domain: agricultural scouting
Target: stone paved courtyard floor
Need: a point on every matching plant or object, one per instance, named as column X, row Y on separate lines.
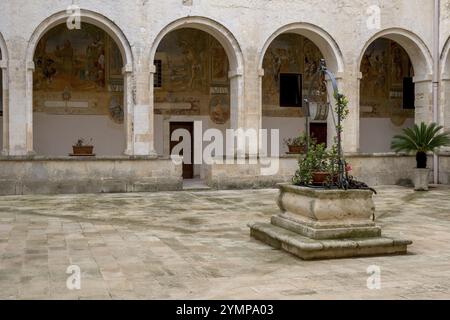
column 196, row 245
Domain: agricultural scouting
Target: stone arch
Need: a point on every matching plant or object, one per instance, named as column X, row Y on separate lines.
column 445, row 59
column 235, row 58
column 417, row 50
column 422, row 63
column 326, row 45
column 217, row 30
column 322, row 39
column 115, row 33
column 5, row 101
column 3, row 49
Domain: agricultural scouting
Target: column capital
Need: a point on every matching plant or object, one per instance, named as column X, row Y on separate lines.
column 3, row 64
column 339, row 75
column 235, row 73
column 127, row 69
column 446, row 77
column 31, row 66
column 423, row 78
column 261, row 72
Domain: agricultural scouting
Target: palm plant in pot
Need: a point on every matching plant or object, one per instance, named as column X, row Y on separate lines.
column 420, row 140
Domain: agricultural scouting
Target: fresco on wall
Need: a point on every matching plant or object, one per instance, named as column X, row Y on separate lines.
column 194, row 79
column 384, row 66
column 219, row 109
column 288, row 53
column 219, row 62
column 74, row 59
column 78, row 72
column 185, row 63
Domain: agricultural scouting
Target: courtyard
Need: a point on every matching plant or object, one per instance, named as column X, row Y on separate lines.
column 196, row 245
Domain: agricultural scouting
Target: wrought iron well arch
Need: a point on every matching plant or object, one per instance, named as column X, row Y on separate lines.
column 322, row 73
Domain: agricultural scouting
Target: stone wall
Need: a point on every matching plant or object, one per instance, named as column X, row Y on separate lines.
column 240, row 176
column 373, row 169
column 444, row 171
column 102, row 175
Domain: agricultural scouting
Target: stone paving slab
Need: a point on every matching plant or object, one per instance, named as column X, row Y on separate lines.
column 196, row 245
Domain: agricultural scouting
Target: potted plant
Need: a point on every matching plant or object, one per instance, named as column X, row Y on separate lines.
column 421, row 140
column 317, row 167
column 81, row 148
column 297, row 145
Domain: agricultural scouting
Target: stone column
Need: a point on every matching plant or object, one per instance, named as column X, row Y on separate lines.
column 350, row 87
column 128, row 108
column 424, row 97
column 444, row 105
column 5, row 104
column 143, row 113
column 237, row 111
column 237, row 99
column 445, row 101
column 21, row 101
column 259, row 98
column 252, row 105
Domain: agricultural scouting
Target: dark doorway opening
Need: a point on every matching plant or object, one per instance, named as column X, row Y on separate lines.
column 188, row 168
column 290, row 90
column 318, row 131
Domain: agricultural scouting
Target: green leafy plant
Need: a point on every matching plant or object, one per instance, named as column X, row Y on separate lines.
column 341, row 109
column 420, row 140
column 299, row 141
column 317, row 159
column 82, row 142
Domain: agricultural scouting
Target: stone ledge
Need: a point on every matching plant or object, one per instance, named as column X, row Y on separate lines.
column 309, row 249
column 321, row 232
column 32, row 158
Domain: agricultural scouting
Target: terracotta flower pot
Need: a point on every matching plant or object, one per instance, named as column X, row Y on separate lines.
column 83, row 150
column 296, row 149
column 320, row 178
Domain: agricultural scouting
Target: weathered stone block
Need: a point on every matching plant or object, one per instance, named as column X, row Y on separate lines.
column 326, row 224
column 308, row 249
column 338, row 207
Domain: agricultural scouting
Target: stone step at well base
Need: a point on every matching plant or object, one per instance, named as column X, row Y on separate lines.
column 310, row 249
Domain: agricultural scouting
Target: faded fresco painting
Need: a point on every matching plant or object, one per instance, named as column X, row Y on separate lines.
column 74, row 59
column 219, row 63
column 186, row 65
column 288, row 53
column 194, row 76
column 384, row 66
column 78, row 72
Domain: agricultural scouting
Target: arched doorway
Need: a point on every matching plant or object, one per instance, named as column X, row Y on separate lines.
column 197, row 77
column 79, row 87
column 290, row 58
column 395, row 88
column 78, row 92
column 387, row 95
column 191, row 84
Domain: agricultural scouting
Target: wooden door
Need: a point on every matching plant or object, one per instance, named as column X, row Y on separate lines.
column 188, row 169
column 319, row 132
